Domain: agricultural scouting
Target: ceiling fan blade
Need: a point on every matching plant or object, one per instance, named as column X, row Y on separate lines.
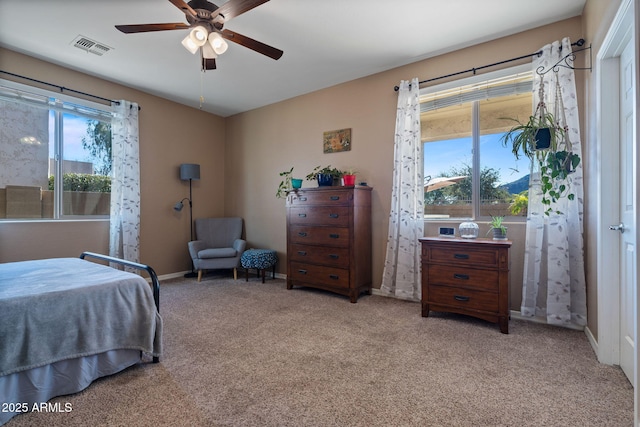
column 188, row 10
column 144, row 28
column 252, row 44
column 233, row 8
column 208, row 63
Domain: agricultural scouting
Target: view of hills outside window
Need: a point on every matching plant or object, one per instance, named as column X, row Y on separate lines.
column 448, row 151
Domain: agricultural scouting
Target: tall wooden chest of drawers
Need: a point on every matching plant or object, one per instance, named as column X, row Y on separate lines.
column 329, row 239
column 466, row 276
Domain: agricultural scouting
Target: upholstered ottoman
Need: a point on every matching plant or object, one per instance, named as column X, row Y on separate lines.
column 260, row 259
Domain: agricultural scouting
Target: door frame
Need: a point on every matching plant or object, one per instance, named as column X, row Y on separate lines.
column 622, row 30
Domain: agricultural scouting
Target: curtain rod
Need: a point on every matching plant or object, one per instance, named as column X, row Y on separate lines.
column 580, row 42
column 62, row 88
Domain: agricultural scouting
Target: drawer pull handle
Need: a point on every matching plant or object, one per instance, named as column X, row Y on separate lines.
column 302, row 234
column 334, row 256
column 460, row 298
column 302, row 271
column 302, row 199
column 334, row 236
column 461, row 256
column 335, row 198
column 301, row 215
column 303, row 253
column 334, row 276
column 333, row 215
column 461, row 276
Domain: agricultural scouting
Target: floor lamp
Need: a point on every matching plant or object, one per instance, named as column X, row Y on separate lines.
column 189, row 171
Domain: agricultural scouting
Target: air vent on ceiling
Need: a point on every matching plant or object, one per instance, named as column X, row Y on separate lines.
column 88, row 45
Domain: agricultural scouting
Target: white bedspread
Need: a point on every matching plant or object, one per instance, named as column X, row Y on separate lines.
column 62, row 308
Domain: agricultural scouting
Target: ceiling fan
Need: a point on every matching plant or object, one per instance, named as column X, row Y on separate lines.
column 206, row 21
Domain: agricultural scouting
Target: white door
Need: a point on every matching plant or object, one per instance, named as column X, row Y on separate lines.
column 626, row 229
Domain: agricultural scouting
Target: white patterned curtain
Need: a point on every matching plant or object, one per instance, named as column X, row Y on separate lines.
column 401, row 276
column 124, row 231
column 554, row 278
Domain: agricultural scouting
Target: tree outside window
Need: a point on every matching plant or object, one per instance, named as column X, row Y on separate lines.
column 478, row 177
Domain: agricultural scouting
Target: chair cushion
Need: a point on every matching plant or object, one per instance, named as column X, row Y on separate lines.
column 217, row 253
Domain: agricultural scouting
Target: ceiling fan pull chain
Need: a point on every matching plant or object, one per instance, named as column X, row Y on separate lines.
column 201, row 89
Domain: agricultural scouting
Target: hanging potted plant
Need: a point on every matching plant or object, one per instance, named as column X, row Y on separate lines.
column 556, row 166
column 287, row 184
column 540, row 132
column 556, row 161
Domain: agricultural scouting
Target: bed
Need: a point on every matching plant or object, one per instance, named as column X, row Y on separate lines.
column 65, row 322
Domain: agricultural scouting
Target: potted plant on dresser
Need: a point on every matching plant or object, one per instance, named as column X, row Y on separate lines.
column 325, row 176
column 287, row 184
column 497, row 227
column 349, row 177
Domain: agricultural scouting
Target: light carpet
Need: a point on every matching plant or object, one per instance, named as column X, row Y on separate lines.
column 251, row 354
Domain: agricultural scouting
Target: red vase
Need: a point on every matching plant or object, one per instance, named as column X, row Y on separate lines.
column 349, row 179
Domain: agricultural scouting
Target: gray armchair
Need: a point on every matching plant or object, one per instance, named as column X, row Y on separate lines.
column 219, row 244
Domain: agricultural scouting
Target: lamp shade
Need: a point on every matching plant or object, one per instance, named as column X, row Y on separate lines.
column 218, row 44
column 189, row 44
column 199, row 35
column 189, row 171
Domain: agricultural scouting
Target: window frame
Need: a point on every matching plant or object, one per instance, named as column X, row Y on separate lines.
column 59, row 104
column 475, row 137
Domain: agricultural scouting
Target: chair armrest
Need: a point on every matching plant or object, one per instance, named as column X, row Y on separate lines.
column 195, row 246
column 239, row 245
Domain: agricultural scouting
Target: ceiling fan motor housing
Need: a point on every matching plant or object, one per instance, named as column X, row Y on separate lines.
column 205, row 16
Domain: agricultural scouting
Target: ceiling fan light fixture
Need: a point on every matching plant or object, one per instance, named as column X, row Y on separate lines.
column 189, row 44
column 208, row 52
column 218, row 44
column 199, row 35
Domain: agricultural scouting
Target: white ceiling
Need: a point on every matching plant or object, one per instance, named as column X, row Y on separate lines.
column 324, row 42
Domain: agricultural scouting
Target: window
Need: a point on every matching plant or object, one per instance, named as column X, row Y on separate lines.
column 468, row 172
column 44, row 137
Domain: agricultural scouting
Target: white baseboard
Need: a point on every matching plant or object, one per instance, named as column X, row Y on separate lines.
column 592, row 340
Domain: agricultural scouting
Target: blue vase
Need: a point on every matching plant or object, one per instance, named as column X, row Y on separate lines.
column 325, row 180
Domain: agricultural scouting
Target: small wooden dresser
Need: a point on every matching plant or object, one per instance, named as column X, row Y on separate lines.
column 466, row 276
column 329, row 239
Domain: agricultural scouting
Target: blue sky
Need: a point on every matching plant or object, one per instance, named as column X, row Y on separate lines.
column 74, row 129
column 440, row 156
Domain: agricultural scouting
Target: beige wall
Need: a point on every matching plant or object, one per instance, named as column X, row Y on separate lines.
column 170, row 134
column 263, row 142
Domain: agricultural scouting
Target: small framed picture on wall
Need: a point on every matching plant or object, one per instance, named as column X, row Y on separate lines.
column 337, row 140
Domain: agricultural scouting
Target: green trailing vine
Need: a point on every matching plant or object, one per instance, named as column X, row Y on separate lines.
column 556, row 162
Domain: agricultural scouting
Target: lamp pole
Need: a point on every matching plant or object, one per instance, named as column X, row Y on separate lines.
column 190, row 212
column 190, row 171
column 192, row 273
